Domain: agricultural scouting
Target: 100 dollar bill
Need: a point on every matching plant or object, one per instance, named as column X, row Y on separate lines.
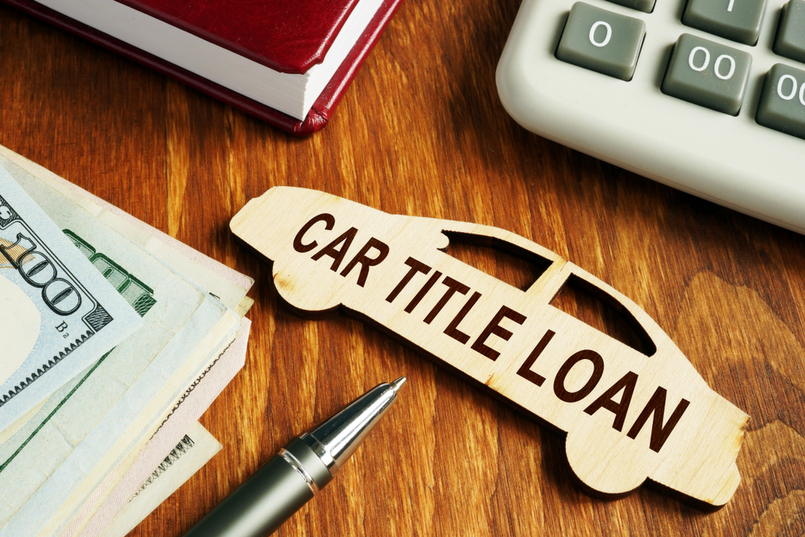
column 57, row 313
column 118, row 404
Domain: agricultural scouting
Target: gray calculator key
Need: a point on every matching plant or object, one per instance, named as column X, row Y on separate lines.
column 640, row 5
column 782, row 103
column 600, row 40
column 790, row 41
column 708, row 74
column 738, row 20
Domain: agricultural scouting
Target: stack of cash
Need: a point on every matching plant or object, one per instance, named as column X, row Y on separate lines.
column 116, row 338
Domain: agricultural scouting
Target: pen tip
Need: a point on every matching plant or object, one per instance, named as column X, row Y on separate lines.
column 398, row 383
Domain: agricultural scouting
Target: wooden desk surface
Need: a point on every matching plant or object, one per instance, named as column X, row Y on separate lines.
column 421, row 131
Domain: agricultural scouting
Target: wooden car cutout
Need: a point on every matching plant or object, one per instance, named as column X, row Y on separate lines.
column 629, row 415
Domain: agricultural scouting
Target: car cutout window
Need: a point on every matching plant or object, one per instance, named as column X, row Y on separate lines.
column 577, row 297
column 522, row 266
column 599, row 310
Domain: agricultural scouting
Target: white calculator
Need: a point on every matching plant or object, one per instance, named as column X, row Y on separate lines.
column 707, row 96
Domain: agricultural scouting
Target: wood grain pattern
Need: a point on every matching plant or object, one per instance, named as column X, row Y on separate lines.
column 421, row 132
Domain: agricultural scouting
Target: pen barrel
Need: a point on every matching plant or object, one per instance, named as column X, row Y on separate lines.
column 268, row 498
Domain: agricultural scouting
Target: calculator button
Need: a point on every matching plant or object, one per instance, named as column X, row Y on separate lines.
column 782, row 103
column 738, row 20
column 600, row 40
column 707, row 74
column 640, row 5
column 790, row 41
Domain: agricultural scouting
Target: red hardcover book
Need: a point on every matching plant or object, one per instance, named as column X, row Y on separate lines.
column 287, row 62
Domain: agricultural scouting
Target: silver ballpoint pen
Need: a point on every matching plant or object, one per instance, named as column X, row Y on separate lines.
column 286, row 482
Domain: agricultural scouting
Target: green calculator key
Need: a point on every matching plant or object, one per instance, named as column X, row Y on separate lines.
column 790, row 40
column 708, row 74
column 782, row 103
column 646, row 6
column 738, row 20
column 601, row 40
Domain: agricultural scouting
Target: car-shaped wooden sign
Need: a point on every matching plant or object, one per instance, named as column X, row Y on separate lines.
column 630, row 414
